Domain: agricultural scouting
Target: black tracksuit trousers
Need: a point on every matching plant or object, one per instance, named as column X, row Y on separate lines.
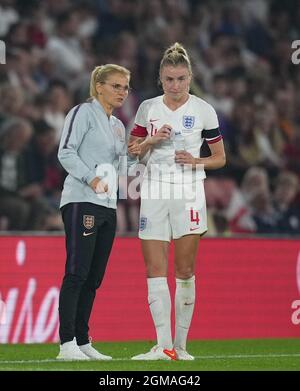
column 90, row 231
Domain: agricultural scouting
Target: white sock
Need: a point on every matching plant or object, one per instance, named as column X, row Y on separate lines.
column 184, row 308
column 160, row 306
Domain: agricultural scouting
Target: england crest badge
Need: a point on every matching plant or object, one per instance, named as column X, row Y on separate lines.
column 188, row 121
column 143, row 223
column 88, row 221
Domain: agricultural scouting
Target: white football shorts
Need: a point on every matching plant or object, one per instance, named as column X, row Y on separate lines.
column 170, row 210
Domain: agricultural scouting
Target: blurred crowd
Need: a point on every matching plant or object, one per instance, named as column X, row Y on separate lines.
column 241, row 53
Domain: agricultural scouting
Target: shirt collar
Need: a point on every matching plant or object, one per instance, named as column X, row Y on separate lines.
column 97, row 104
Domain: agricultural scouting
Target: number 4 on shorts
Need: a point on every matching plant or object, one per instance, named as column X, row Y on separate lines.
column 194, row 216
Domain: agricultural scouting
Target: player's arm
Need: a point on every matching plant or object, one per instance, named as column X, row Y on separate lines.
column 141, row 145
column 76, row 126
column 213, row 137
column 217, row 159
column 134, row 145
column 138, row 134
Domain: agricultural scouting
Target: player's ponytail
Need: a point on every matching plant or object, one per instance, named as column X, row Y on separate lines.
column 176, row 55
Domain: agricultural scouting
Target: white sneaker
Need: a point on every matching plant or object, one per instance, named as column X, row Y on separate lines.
column 69, row 351
column 182, row 354
column 157, row 353
column 92, row 353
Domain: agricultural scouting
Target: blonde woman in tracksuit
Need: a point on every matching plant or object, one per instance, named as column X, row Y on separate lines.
column 91, row 148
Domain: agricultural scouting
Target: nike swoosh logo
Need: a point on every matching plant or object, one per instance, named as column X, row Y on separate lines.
column 194, row 229
column 153, row 120
column 170, row 353
column 88, row 233
column 188, row 303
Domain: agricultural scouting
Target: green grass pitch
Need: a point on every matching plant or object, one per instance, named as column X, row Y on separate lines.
column 216, row 355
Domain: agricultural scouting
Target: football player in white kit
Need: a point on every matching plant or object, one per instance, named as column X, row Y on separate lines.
column 170, row 129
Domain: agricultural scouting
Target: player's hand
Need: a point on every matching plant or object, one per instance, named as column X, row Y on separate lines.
column 162, row 134
column 99, row 186
column 184, row 157
column 134, row 148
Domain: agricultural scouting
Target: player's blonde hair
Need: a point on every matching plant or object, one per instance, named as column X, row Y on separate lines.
column 176, row 55
column 102, row 72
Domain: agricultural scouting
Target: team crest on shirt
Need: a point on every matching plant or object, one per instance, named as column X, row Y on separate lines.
column 188, row 121
column 143, row 223
column 88, row 221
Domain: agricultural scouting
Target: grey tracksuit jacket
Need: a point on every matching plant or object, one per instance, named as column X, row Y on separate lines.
column 92, row 145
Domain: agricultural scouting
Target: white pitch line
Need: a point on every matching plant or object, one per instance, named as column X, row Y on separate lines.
column 233, row 356
column 43, row 369
column 25, row 361
column 230, row 356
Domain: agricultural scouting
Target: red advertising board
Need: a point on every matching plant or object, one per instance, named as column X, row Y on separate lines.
column 246, row 288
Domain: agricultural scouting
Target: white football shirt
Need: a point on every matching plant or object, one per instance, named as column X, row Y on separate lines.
column 196, row 120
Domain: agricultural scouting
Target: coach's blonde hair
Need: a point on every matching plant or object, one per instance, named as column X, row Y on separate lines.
column 176, row 55
column 101, row 73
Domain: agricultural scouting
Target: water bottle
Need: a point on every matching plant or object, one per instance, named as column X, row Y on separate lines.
column 178, row 140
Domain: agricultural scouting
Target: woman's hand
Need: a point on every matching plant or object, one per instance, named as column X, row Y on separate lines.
column 184, row 157
column 162, row 134
column 134, row 148
column 99, row 186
